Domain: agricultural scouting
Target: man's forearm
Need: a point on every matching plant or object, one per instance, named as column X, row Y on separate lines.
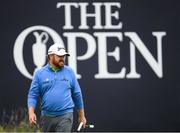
column 81, row 113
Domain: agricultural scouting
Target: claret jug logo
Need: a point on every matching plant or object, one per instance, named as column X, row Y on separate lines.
column 38, row 49
column 103, row 28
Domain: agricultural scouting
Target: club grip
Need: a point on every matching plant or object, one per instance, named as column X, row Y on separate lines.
column 80, row 126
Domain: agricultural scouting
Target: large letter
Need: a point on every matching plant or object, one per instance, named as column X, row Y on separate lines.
column 132, row 73
column 67, row 13
column 155, row 65
column 72, row 46
column 109, row 15
column 102, row 55
column 19, row 45
column 85, row 15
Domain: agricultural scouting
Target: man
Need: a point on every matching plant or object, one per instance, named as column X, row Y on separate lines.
column 59, row 91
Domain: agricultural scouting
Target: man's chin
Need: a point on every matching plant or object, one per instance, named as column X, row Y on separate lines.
column 61, row 64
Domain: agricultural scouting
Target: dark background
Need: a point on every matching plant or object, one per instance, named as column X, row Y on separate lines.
column 146, row 104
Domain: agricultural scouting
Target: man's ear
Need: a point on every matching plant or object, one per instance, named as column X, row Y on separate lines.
column 49, row 56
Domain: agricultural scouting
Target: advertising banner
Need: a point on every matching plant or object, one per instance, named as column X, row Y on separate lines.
column 125, row 54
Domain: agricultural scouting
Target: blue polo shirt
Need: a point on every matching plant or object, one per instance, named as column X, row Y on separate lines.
column 59, row 91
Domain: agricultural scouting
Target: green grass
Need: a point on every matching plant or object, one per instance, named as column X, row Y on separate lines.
column 22, row 127
column 16, row 121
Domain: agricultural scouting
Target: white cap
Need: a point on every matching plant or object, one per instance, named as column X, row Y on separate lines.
column 57, row 49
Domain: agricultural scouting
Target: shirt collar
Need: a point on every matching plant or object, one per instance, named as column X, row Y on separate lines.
column 53, row 68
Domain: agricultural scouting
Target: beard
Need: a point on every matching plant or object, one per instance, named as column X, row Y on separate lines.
column 58, row 64
column 61, row 64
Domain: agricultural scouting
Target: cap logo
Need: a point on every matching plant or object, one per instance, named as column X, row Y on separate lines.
column 60, row 48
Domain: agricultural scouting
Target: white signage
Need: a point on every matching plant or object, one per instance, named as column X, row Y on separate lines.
column 101, row 34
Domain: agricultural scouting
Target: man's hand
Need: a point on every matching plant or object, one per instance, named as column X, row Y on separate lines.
column 32, row 116
column 82, row 117
column 83, row 120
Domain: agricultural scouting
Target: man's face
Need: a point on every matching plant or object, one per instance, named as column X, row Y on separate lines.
column 57, row 61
